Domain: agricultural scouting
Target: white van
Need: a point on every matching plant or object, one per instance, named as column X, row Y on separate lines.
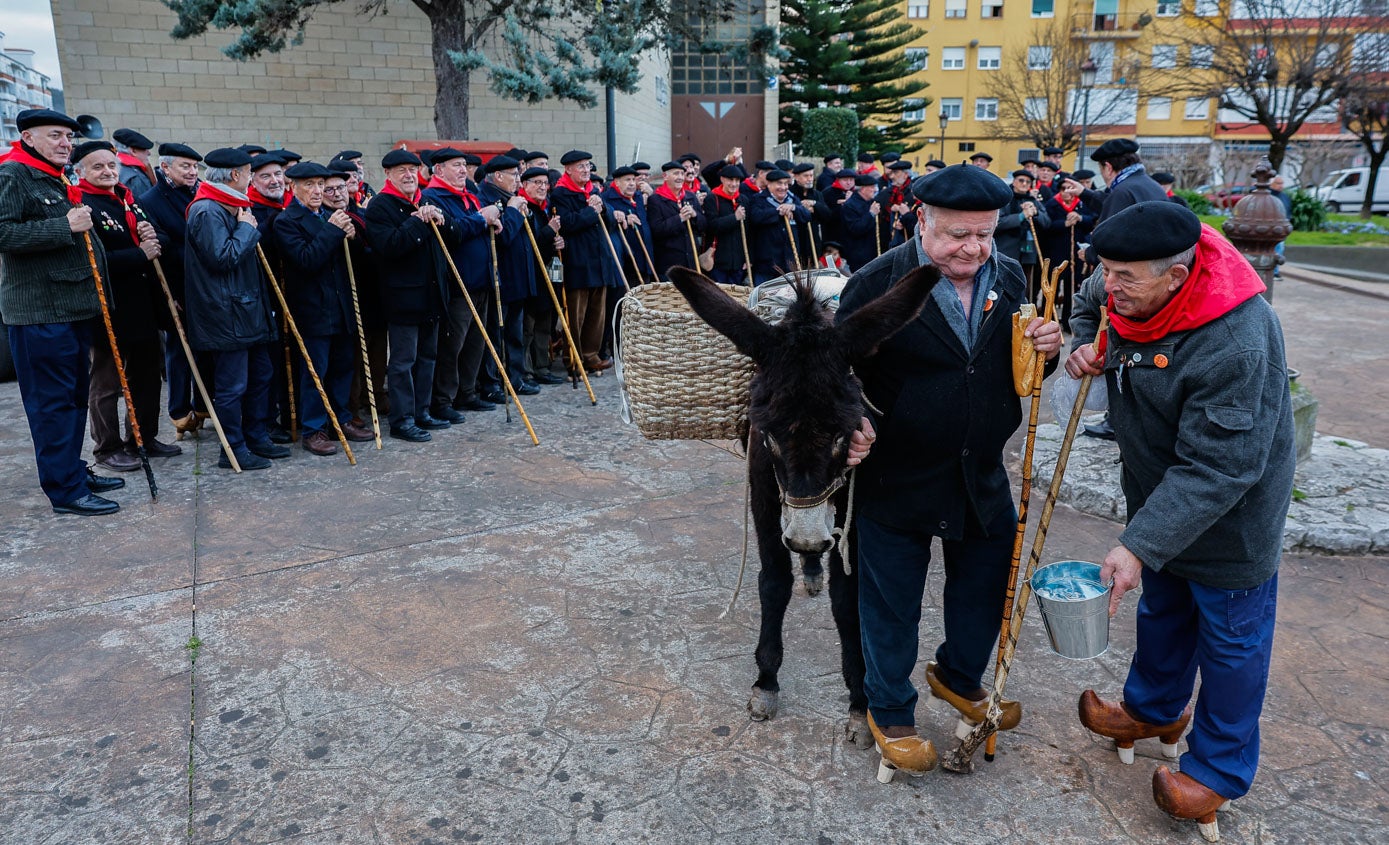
column 1344, row 190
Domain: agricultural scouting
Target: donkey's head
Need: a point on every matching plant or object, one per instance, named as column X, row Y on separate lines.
column 805, row 401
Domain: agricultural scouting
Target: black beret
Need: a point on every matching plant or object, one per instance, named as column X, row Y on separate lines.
column 574, row 157
column 1146, row 231
column 1050, row 165
column 689, row 157
column 984, row 156
column 342, row 168
column 1082, row 174
column 309, row 170
column 81, row 151
column 173, row 150
column 251, row 149
column 535, row 155
column 784, row 164
column 640, row 165
column 516, row 153
column 1053, row 151
column 732, row 171
column 29, row 118
column 866, row 158
column 445, row 154
column 831, row 244
column 502, row 162
column 533, row 172
column 227, row 157
column 427, row 157
column 777, row 175
column 475, row 161
column 889, row 158
column 937, row 163
column 349, row 155
column 132, row 139
column 832, row 156
column 963, row 187
column 267, row 159
column 672, row 165
column 288, row 156
column 397, row 157
column 803, row 167
column 1162, row 177
column 1032, row 161
column 1021, row 172
column 846, row 173
column 900, row 165
column 623, row 171
column 1114, row 148
column 863, row 180
column 765, row 165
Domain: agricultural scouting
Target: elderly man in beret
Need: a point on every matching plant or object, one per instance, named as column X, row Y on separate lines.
column 1125, row 175
column 133, row 150
column 858, row 220
column 589, row 266
column 775, row 223
column 49, row 299
column 935, row 467
column 1197, row 384
column 675, row 213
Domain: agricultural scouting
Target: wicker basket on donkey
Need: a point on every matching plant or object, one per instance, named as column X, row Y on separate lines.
column 682, row 379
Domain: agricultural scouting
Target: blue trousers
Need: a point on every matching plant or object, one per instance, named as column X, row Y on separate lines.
column 728, row 277
column 52, row 362
column 1226, row 634
column 332, row 357
column 892, row 566
column 241, row 391
column 180, row 375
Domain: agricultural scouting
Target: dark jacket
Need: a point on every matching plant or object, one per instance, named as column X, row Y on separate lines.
column 1013, row 237
column 45, row 274
column 166, row 207
column 1131, row 190
column 819, row 216
column 415, row 276
column 588, row 260
column 364, row 271
column 832, row 223
column 629, row 241
column 515, row 259
column 771, row 248
column 722, row 230
column 856, row 228
column 467, row 239
column 228, row 304
column 544, row 235
column 138, row 309
column 671, row 235
column 315, row 281
column 1057, row 242
column 948, row 412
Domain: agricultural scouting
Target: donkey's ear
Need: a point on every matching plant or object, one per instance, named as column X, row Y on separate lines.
column 734, row 321
column 866, row 328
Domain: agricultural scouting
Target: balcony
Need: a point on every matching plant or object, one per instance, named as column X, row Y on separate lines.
column 1121, row 26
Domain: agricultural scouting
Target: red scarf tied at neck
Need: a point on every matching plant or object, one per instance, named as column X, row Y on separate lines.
column 540, row 204
column 22, row 155
column 720, row 192
column 391, row 190
column 565, row 182
column 665, row 191
column 209, row 191
column 261, row 199
column 1220, row 281
column 470, row 202
column 120, row 194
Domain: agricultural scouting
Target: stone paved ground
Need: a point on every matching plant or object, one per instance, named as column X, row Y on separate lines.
column 478, row 640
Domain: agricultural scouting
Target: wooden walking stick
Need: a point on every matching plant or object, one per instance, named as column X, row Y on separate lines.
column 120, row 364
column 308, row 362
column 193, row 365
column 497, row 298
column 694, row 249
column 1038, row 370
column 563, row 319
column 501, row 368
column 647, row 253
column 362, row 338
column 814, row 253
column 632, row 254
column 791, row 235
column 877, row 235
column 747, row 257
column 612, row 250
column 961, row 759
column 289, row 374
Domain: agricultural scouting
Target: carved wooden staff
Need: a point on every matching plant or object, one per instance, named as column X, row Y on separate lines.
column 747, row 257
column 362, row 338
column 791, row 235
column 612, row 250
column 563, row 320
column 497, row 301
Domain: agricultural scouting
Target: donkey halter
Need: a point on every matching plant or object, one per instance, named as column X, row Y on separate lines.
column 806, row 502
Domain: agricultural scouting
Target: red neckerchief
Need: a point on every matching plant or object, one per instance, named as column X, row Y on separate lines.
column 5, row 156
column 667, row 193
column 870, row 170
column 720, row 192
column 23, row 156
column 209, row 191
column 470, row 202
column 120, row 194
column 566, row 182
column 261, row 199
column 129, row 160
column 1061, row 201
column 1220, row 281
column 1171, row 193
column 613, row 193
column 898, row 195
column 543, row 206
column 751, row 184
column 390, row 189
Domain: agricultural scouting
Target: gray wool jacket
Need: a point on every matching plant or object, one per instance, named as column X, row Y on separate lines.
column 1205, row 435
column 45, row 273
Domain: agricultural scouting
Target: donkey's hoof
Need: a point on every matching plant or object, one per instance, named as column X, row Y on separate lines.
column 856, row 731
column 762, row 705
column 814, row 584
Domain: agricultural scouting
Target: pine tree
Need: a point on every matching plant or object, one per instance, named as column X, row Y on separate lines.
column 849, row 53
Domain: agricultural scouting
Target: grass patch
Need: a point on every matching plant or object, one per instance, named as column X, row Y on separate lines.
column 1298, row 495
column 1216, row 221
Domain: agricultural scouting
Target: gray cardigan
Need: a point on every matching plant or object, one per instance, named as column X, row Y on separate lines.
column 45, row 274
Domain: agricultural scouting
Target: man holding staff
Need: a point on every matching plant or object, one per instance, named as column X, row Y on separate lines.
column 933, row 474
column 590, row 266
column 1198, row 397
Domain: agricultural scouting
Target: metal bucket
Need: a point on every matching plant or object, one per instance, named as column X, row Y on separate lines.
column 1075, row 608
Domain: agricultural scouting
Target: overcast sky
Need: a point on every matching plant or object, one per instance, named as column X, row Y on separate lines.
column 29, row 23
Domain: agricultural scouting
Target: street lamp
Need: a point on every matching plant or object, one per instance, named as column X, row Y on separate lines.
column 944, row 122
column 1088, row 71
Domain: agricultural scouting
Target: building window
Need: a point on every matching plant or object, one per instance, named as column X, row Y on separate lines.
column 1043, row 8
column 1207, row 8
column 1038, row 58
column 986, row 108
column 1169, row 8
column 952, row 107
column 1159, row 108
column 913, row 110
column 955, row 8
column 991, row 8
column 1164, row 55
column 1201, row 55
column 918, row 10
column 1034, row 108
column 952, row 58
column 966, row 146
column 918, row 58
column 990, row 58
column 1197, row 108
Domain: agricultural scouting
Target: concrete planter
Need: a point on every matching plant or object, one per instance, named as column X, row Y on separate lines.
column 1304, row 416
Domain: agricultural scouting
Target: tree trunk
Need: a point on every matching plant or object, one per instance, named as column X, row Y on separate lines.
column 1377, row 157
column 1277, row 150
column 452, row 97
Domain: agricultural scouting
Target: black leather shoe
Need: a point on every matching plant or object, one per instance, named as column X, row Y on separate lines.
column 549, row 378
column 279, row 435
column 267, row 449
column 496, row 397
column 246, row 459
column 88, row 505
column 155, row 449
column 412, row 433
column 1101, row 429
column 476, row 403
column 526, row 388
column 429, row 422
column 447, row 414
column 103, row 484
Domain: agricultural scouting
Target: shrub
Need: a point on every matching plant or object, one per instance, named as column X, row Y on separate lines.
column 831, row 130
column 1309, row 214
column 1196, row 200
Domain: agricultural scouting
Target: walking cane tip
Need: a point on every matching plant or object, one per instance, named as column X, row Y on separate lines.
column 988, row 758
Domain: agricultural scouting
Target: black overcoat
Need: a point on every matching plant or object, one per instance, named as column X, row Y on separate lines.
column 415, row 276
column 315, row 280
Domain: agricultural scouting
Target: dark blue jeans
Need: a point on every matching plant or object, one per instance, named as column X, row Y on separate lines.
column 1226, row 634
column 892, row 577
column 241, row 391
column 332, row 358
column 52, row 362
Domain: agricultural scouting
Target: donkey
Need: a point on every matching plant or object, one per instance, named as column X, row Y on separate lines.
column 805, row 404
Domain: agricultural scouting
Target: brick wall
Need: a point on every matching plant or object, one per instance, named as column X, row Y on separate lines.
column 359, row 83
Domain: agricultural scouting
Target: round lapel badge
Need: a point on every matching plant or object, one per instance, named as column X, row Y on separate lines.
column 1160, row 361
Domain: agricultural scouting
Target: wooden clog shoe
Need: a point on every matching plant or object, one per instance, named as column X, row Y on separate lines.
column 1114, row 721
column 971, row 712
column 1183, row 797
column 911, row 754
